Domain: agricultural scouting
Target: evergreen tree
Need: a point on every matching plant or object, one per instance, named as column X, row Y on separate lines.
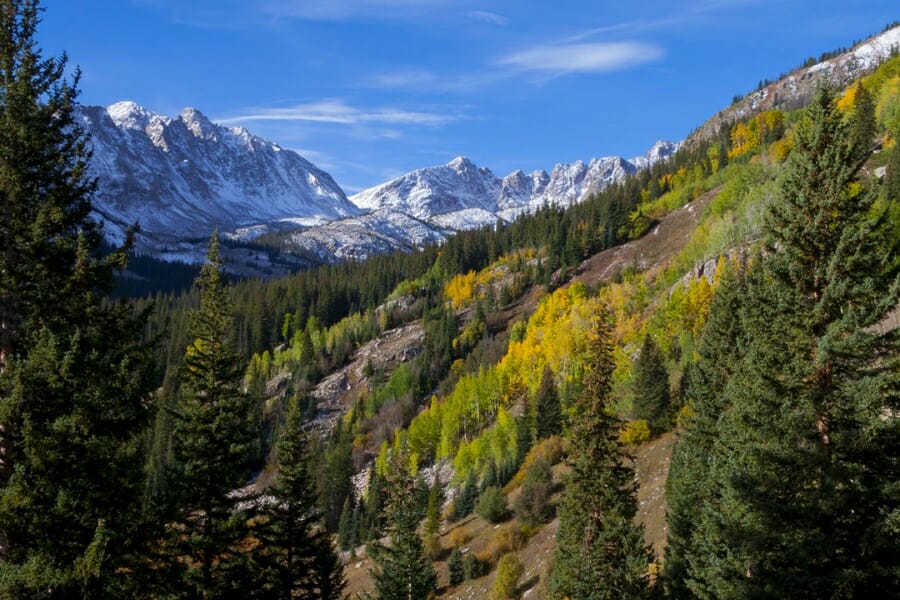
column 892, row 176
column 689, row 486
column 296, row 554
column 547, row 409
column 432, row 528
column 805, row 459
column 862, row 123
column 213, row 442
column 455, row 566
column 346, row 538
column 651, row 386
column 600, row 550
column 75, row 374
column 403, row 570
column 464, row 503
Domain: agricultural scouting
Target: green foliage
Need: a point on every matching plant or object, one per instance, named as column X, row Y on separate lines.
column 533, row 507
column 651, row 387
column 600, row 551
column 473, row 568
column 509, row 571
column 547, row 408
column 431, row 528
column 802, row 476
column 689, row 485
column 295, row 557
column 403, row 569
column 212, row 446
column 464, row 503
column 75, row 377
column 862, row 126
column 455, row 566
column 491, row 505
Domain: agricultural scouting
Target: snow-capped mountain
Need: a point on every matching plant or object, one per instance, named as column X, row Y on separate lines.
column 181, row 177
column 461, row 195
column 425, row 193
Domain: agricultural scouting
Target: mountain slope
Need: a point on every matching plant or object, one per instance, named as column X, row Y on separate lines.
column 181, row 177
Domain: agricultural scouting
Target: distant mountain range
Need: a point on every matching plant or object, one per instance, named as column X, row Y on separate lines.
column 181, row 177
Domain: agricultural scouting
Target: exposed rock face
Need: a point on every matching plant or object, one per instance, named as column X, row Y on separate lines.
column 798, row 87
column 182, row 177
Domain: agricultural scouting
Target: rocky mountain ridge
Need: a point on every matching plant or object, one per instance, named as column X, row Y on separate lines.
column 181, row 177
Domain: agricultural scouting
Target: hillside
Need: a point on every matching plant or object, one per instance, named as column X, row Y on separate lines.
column 674, row 376
column 659, row 283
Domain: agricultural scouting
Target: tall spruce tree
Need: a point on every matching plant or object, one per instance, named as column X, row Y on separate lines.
column 547, row 408
column 295, row 552
column 75, row 378
column 212, row 445
column 600, row 552
column 862, row 123
column 805, row 459
column 651, row 386
column 403, row 570
column 689, row 486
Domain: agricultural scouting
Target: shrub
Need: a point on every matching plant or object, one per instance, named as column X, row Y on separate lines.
column 636, row 432
column 459, row 537
column 473, row 567
column 509, row 538
column 549, row 450
column 492, row 505
column 533, row 507
column 509, row 570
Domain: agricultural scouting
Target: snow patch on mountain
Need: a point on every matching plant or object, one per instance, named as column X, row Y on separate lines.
column 359, row 237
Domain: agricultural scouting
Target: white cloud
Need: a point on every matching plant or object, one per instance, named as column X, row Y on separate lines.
column 582, row 58
column 488, row 17
column 338, row 112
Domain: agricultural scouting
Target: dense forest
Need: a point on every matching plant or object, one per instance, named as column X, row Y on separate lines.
column 174, row 445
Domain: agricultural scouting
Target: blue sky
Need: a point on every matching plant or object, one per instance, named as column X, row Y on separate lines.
column 370, row 89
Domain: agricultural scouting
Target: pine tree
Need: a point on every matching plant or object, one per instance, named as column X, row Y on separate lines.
column 212, row 446
column 403, row 570
column 862, row 123
column 75, row 373
column 432, row 528
column 689, row 486
column 455, row 566
column 651, row 386
column 547, row 409
column 805, row 458
column 295, row 551
column 600, row 550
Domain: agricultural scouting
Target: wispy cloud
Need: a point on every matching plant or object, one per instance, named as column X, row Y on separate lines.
column 487, row 16
column 597, row 57
column 338, row 112
column 339, row 10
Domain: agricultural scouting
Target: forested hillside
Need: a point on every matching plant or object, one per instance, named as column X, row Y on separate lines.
column 492, row 416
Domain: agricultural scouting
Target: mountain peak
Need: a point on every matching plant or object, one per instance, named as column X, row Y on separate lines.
column 197, row 123
column 129, row 115
column 461, row 162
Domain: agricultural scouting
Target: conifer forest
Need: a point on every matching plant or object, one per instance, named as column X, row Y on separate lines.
column 567, row 405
